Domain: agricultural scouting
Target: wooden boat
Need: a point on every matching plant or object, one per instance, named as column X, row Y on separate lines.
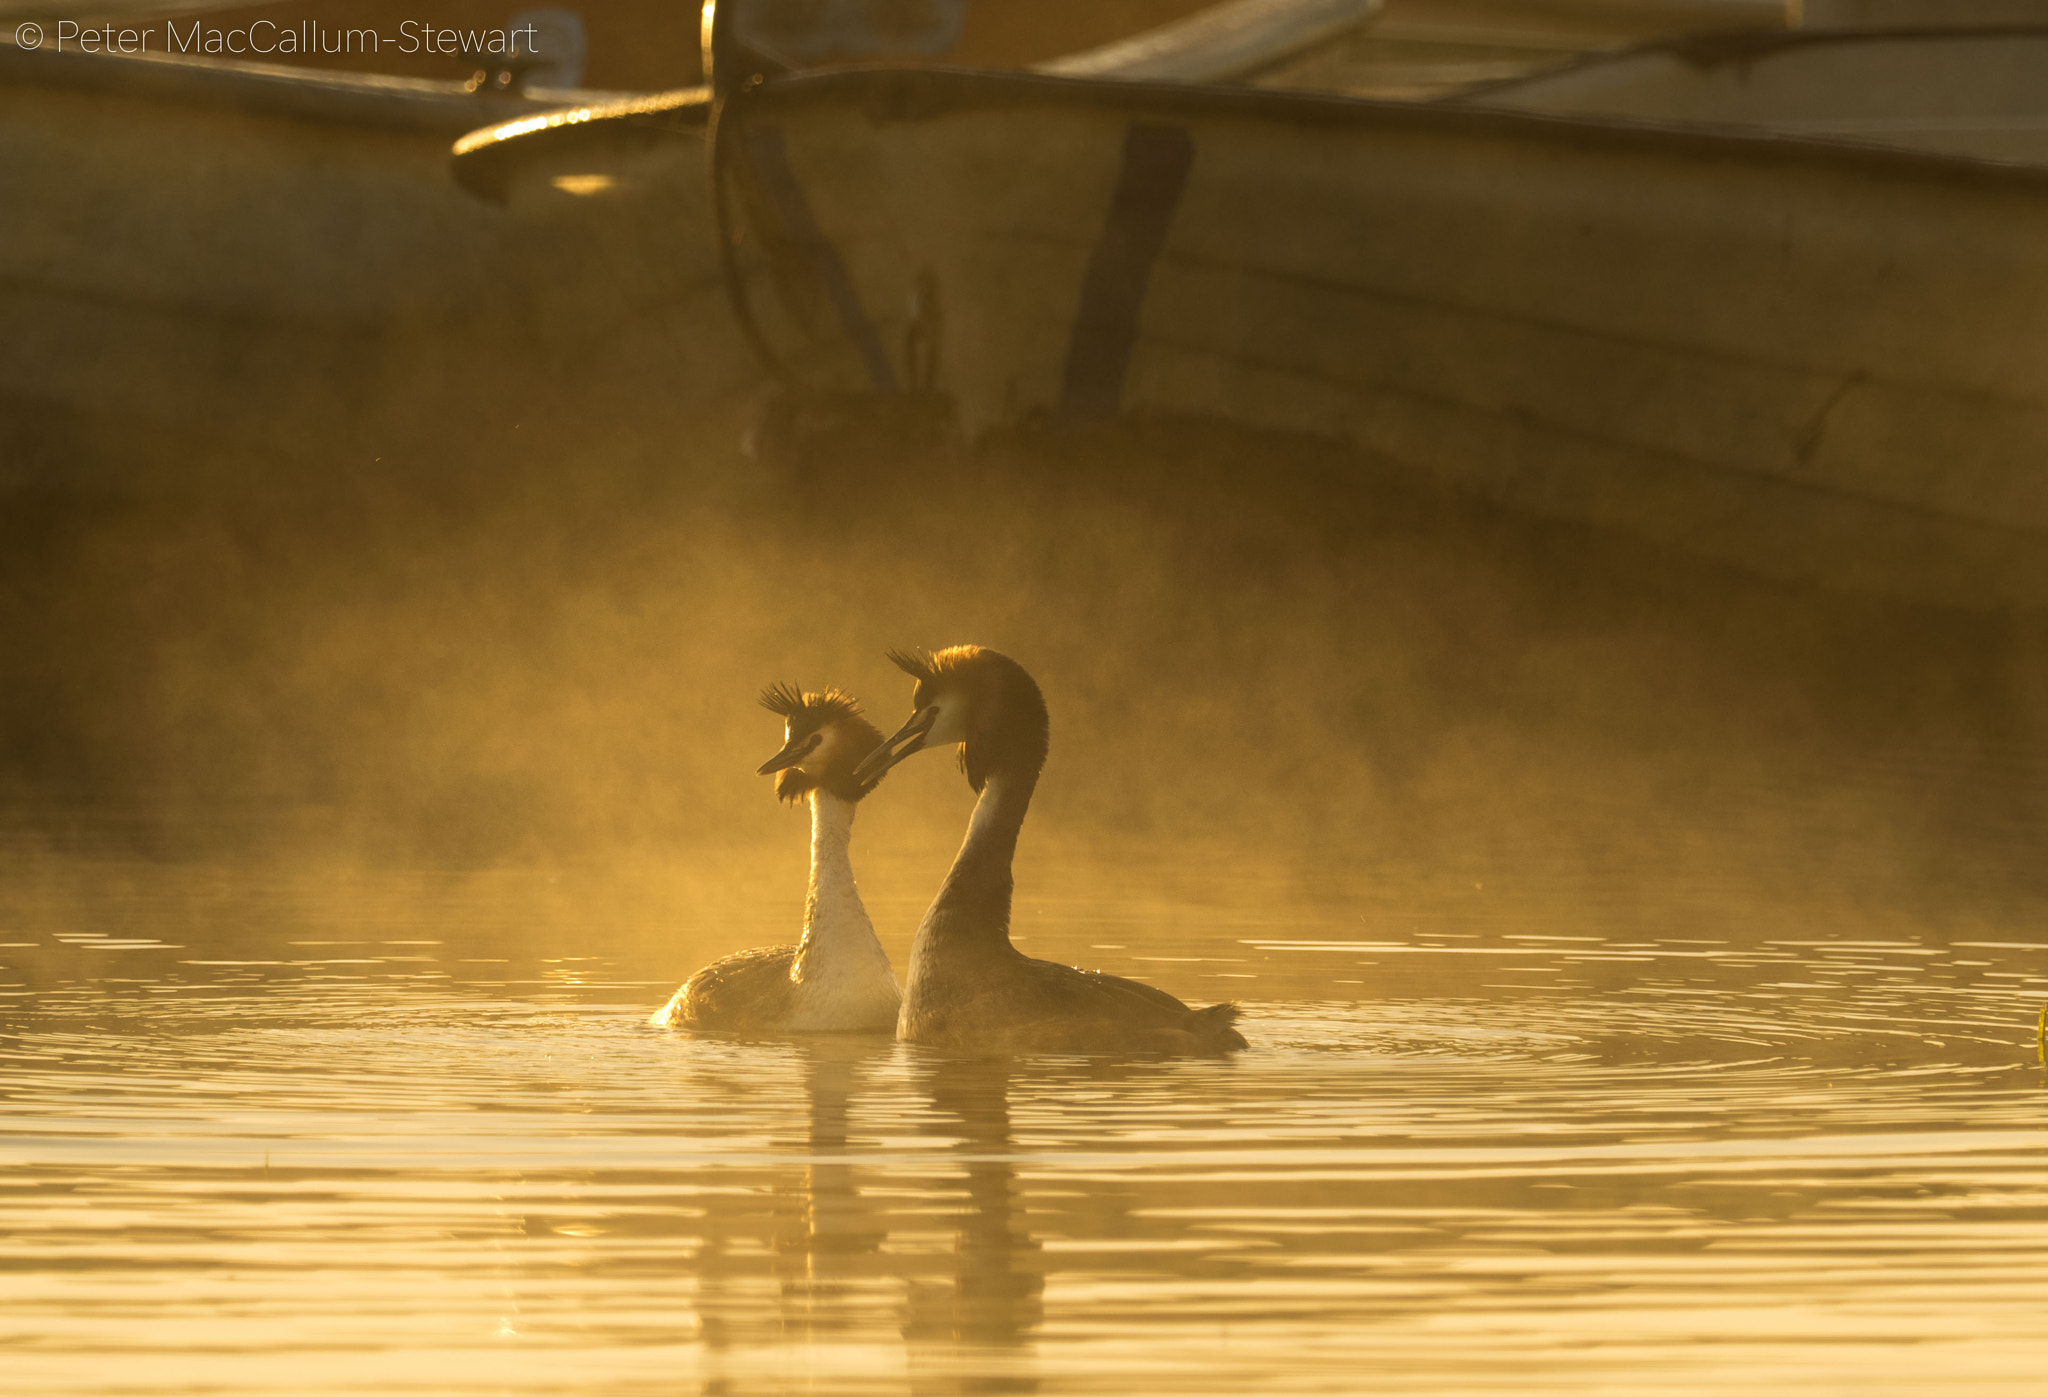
column 1804, row 358
column 258, row 268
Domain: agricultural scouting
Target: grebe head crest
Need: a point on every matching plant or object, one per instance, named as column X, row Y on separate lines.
column 980, row 699
column 826, row 739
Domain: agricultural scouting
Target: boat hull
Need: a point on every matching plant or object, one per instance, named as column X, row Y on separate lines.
column 1802, row 359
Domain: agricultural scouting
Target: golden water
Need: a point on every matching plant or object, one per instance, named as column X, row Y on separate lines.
column 286, row 1136
column 1641, row 962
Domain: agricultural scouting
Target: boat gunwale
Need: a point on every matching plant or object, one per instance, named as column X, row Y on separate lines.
column 890, row 94
column 487, row 160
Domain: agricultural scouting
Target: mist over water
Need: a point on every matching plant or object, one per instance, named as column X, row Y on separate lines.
column 549, row 656
column 1641, row 961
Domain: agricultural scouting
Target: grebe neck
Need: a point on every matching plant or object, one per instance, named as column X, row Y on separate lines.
column 832, row 907
column 973, row 906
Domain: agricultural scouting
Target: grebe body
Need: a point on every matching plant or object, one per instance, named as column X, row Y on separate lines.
column 968, row 988
column 837, row 978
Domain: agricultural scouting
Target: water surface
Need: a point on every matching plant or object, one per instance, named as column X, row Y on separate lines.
column 276, row 1136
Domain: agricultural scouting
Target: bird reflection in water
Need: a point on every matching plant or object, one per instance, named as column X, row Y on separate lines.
column 834, row 1227
column 996, row 1296
column 967, row 1313
column 795, row 1263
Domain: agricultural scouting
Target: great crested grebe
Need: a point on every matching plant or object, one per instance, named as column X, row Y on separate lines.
column 837, row 979
column 968, row 987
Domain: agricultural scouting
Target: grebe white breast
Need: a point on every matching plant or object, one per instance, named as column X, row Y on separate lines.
column 968, row 987
column 837, row 978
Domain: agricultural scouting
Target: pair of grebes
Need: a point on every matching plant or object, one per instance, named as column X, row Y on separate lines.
column 968, row 989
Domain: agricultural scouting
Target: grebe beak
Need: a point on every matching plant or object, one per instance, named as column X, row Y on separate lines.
column 793, row 751
column 907, row 739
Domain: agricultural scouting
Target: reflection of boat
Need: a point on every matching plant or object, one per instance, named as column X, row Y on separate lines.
column 1807, row 359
